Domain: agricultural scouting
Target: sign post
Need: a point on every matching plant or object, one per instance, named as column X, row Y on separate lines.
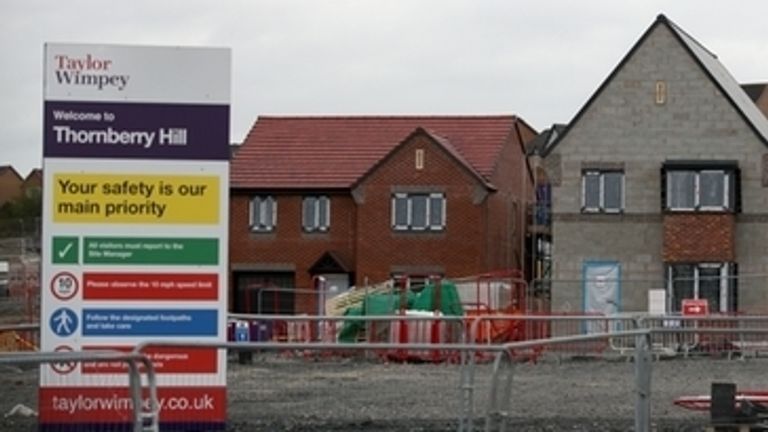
column 135, row 223
column 695, row 307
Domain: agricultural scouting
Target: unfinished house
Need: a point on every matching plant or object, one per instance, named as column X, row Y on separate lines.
column 660, row 186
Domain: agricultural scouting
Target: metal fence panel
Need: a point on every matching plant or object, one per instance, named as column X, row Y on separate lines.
column 680, row 379
column 439, row 373
column 574, row 393
column 129, row 404
column 18, row 404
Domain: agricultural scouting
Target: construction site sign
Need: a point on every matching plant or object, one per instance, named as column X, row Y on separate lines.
column 135, row 214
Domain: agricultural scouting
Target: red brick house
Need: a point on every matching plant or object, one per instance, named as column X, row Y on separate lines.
column 10, row 184
column 362, row 199
column 33, row 183
column 759, row 95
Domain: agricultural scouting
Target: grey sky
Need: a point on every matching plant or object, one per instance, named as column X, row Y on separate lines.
column 535, row 58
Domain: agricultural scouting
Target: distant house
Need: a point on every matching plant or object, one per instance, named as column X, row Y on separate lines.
column 759, row 94
column 10, row 184
column 33, row 183
column 363, row 199
column 660, row 182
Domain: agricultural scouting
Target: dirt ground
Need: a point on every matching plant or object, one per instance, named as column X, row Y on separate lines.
column 294, row 393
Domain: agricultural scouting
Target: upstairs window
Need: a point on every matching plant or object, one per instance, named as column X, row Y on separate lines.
column 700, row 189
column 418, row 212
column 602, row 191
column 316, row 213
column 263, row 213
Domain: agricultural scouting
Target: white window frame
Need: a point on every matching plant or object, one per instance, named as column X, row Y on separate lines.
column 727, row 176
column 258, row 218
column 724, row 284
column 320, row 203
column 726, row 190
column 408, row 197
column 601, row 208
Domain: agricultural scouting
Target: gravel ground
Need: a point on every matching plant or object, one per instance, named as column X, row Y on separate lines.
column 574, row 395
column 299, row 394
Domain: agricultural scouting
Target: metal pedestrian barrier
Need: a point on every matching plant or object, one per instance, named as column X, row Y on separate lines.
column 486, row 372
column 634, row 337
column 144, row 412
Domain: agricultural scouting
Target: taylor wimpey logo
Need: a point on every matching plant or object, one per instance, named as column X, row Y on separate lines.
column 87, row 71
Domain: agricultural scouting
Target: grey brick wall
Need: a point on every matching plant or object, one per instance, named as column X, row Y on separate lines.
column 752, row 258
column 624, row 124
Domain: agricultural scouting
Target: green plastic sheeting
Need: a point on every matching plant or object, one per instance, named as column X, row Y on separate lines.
column 449, row 301
column 373, row 304
column 387, row 304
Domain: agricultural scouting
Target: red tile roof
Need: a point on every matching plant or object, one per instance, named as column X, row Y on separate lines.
column 11, row 169
column 335, row 152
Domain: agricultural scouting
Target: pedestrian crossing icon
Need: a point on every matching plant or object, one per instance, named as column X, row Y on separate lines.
column 63, row 322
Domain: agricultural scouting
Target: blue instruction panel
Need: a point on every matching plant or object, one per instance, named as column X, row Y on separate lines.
column 150, row 322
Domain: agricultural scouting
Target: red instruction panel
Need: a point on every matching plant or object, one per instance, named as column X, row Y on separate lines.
column 165, row 360
column 150, row 286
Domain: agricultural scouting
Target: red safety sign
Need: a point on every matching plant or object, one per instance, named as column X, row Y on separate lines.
column 695, row 307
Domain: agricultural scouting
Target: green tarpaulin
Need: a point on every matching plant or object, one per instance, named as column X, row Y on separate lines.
column 446, row 297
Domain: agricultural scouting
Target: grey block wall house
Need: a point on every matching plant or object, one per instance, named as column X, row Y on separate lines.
column 660, row 182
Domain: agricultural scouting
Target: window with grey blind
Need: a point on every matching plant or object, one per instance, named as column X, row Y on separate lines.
column 602, row 191
column 263, row 213
column 316, row 213
column 418, row 211
column 694, row 189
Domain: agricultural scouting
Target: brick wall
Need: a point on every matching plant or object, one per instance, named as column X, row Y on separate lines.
column 701, row 237
column 10, row 185
column 288, row 248
column 473, row 241
column 505, row 241
column 762, row 102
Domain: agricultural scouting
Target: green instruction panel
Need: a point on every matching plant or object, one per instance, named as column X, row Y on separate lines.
column 150, row 250
column 65, row 250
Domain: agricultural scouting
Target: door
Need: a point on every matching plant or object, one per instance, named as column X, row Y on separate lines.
column 602, row 290
column 264, row 293
column 335, row 284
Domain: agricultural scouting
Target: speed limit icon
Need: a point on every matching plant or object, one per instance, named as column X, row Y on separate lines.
column 64, row 285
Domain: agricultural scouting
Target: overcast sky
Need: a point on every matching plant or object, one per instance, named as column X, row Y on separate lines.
column 538, row 59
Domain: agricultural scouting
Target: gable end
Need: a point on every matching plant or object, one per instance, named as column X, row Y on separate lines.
column 677, row 33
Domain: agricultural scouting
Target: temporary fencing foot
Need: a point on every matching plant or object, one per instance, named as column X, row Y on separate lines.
column 149, row 422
